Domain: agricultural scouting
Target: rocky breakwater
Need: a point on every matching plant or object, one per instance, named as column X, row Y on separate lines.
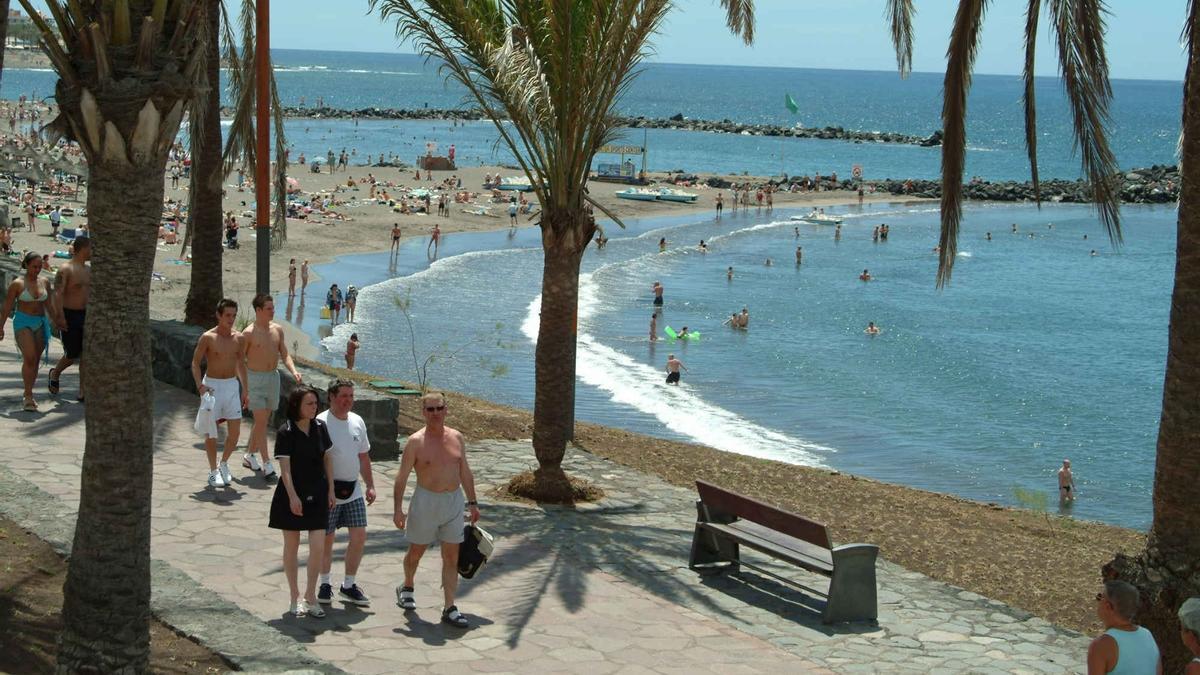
column 1154, row 185
column 827, row 133
column 677, row 122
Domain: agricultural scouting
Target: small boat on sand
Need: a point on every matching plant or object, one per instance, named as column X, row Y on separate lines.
column 638, row 194
column 670, row 195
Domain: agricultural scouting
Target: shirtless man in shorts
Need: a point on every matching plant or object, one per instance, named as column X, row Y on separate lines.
column 263, row 347
column 439, row 456
column 1066, row 483
column 72, row 284
column 221, row 347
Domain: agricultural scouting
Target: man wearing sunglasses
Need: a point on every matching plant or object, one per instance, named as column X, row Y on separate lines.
column 439, row 456
column 1124, row 647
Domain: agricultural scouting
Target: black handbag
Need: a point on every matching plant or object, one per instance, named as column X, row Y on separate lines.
column 342, row 489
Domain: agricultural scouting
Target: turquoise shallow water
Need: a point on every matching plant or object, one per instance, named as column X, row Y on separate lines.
column 1036, row 352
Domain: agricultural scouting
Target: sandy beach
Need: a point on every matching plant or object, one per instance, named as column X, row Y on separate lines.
column 366, row 227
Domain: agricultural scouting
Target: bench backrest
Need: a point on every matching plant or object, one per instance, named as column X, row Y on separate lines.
column 724, row 502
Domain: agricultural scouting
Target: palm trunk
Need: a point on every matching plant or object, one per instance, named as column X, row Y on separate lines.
column 1168, row 571
column 554, row 389
column 4, row 9
column 206, row 287
column 107, row 592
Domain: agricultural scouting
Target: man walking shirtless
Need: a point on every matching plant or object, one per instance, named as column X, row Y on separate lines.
column 72, row 284
column 263, row 346
column 439, row 456
column 225, row 379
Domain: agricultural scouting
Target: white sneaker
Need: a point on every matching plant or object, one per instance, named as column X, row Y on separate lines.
column 268, row 469
column 225, row 474
column 250, row 462
column 215, row 480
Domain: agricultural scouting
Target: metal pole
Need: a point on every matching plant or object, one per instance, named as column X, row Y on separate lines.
column 262, row 169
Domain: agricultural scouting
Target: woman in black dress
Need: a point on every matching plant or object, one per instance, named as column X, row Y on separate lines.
column 304, row 494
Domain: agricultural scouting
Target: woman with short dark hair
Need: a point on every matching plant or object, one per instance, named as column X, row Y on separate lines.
column 304, row 494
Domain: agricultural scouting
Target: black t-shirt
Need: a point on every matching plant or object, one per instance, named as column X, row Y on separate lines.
column 305, row 453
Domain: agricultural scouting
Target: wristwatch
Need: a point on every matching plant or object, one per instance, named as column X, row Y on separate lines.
column 472, row 503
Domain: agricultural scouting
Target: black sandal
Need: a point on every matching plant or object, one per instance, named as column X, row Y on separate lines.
column 53, row 382
column 452, row 616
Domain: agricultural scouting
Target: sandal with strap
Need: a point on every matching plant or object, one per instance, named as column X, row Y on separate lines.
column 30, row 405
column 404, row 598
column 53, row 387
column 452, row 616
column 315, row 610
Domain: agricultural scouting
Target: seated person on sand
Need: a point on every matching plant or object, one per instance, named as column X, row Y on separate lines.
column 168, row 235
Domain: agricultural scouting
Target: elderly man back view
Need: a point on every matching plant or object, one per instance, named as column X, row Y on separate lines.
column 1124, row 648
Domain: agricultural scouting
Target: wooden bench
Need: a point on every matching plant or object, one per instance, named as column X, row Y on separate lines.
column 726, row 520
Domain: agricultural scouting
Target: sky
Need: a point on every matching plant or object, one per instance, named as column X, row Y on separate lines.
column 1142, row 38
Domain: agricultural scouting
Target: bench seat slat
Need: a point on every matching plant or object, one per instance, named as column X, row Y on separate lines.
column 795, row 551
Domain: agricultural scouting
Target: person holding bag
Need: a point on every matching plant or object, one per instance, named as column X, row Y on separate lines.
column 304, row 495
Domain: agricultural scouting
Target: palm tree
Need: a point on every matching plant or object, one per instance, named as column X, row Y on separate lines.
column 1168, row 570
column 211, row 164
column 555, row 71
column 4, row 6
column 127, row 70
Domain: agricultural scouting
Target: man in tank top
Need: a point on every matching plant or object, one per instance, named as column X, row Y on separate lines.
column 1124, row 648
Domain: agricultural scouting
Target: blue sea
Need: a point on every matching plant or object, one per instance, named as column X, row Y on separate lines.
column 1049, row 343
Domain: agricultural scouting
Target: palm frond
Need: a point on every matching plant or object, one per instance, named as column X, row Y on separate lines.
column 901, row 15
column 960, row 61
column 1079, row 26
column 1029, row 100
column 739, row 16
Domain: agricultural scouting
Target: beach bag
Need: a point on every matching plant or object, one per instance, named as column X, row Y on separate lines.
column 475, row 550
column 326, row 313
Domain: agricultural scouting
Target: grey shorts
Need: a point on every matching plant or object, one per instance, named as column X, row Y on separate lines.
column 351, row 514
column 264, row 389
column 434, row 517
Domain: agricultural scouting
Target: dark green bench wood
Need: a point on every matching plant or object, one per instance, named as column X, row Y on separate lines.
column 727, row 520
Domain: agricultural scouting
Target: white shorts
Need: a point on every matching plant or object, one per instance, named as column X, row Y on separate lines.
column 228, row 405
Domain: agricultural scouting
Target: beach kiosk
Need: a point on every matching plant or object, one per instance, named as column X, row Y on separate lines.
column 624, row 170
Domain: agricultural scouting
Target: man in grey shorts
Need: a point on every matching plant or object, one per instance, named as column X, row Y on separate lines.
column 263, row 348
column 439, row 456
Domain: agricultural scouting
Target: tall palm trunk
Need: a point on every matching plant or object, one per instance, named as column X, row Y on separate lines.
column 4, row 8
column 1168, row 571
column 563, row 243
column 206, row 287
column 106, row 597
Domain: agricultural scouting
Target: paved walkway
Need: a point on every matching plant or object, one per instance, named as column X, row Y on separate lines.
column 599, row 589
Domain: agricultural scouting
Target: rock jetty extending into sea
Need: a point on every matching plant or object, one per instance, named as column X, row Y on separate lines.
column 674, row 122
column 1155, row 185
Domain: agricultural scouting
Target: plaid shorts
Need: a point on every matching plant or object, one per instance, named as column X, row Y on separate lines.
column 350, row 514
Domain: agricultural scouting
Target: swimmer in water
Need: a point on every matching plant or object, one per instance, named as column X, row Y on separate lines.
column 865, row 276
column 871, row 329
column 729, row 273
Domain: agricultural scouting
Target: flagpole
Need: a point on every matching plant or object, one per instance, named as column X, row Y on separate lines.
column 262, row 174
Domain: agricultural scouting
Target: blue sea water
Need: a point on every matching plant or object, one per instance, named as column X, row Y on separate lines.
column 1144, row 128
column 1036, row 352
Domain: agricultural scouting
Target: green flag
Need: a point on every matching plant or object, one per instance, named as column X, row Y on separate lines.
column 791, row 103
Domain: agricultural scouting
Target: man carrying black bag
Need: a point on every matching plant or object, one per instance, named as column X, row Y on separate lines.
column 439, row 455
